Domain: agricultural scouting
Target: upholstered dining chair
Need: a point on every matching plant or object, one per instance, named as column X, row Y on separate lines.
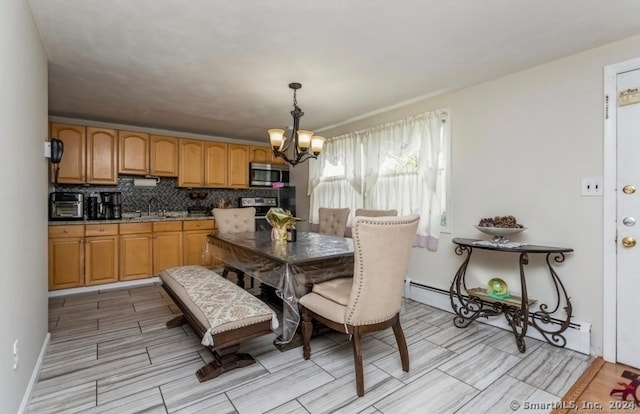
column 375, row 213
column 235, row 220
column 333, row 221
column 371, row 300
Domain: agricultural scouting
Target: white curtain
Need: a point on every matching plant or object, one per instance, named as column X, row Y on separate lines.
column 335, row 178
column 392, row 166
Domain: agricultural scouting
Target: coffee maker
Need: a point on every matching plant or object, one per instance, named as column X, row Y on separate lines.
column 111, row 205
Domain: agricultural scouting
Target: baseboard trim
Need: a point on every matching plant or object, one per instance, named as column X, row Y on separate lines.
column 106, row 286
column 578, row 334
column 26, row 398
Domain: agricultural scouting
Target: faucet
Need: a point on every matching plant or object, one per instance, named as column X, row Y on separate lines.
column 152, row 200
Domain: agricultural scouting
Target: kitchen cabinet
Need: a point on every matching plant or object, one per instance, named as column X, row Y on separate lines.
column 136, row 254
column 133, row 153
column 90, row 154
column 238, row 166
column 191, row 164
column 66, row 256
column 82, row 255
column 167, row 245
column 216, row 174
column 163, row 156
column 195, row 236
column 101, row 254
column 144, row 154
column 213, row 164
column 264, row 155
column 91, row 254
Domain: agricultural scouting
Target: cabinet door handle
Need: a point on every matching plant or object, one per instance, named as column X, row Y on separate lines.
column 66, row 231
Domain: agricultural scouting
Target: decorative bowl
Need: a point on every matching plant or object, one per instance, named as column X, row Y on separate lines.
column 500, row 231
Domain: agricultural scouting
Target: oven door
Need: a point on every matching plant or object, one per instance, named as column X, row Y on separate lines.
column 262, row 224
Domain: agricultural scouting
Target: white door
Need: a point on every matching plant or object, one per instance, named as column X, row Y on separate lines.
column 628, row 218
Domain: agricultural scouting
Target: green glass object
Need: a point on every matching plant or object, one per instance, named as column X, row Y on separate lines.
column 497, row 288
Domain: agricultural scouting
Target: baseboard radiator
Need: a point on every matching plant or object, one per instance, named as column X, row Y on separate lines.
column 578, row 334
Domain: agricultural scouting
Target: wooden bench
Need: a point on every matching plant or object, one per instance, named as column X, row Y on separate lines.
column 223, row 314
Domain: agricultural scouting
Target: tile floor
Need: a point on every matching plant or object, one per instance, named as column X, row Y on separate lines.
column 110, row 352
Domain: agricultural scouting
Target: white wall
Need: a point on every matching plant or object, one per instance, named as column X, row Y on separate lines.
column 520, row 145
column 23, row 217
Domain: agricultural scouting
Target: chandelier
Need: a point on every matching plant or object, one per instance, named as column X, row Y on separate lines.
column 305, row 144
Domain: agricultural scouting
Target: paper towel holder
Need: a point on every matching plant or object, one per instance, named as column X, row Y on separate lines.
column 147, row 181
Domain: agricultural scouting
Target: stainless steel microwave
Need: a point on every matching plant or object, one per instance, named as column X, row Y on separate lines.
column 265, row 175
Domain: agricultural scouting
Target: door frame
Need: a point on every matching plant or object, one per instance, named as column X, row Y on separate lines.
column 609, row 208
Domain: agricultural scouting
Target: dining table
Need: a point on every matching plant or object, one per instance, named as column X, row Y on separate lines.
column 290, row 267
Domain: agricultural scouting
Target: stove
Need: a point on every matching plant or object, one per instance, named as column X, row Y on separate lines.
column 262, row 206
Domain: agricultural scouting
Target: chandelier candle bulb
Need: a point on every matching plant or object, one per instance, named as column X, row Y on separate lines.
column 276, row 136
column 317, row 142
column 304, row 139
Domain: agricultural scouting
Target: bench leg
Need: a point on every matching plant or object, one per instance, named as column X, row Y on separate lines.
column 225, row 359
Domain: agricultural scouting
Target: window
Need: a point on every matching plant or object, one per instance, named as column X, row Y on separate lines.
column 401, row 165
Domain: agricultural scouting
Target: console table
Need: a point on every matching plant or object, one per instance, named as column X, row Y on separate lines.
column 470, row 303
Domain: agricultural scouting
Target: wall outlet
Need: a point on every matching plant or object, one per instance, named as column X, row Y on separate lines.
column 591, row 186
column 15, row 355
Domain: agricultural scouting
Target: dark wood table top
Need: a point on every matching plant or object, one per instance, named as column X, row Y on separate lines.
column 309, row 246
column 526, row 248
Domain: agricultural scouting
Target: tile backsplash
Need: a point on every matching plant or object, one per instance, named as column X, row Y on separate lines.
column 172, row 198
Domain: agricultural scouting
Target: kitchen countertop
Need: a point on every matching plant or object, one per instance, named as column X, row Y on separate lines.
column 134, row 218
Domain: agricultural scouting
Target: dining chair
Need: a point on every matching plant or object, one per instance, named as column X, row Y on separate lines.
column 371, row 300
column 333, row 221
column 375, row 213
column 235, row 220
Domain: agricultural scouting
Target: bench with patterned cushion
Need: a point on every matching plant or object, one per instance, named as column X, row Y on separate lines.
column 223, row 314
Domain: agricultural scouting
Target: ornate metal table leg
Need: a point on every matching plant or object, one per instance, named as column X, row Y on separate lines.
column 518, row 318
column 541, row 318
column 467, row 308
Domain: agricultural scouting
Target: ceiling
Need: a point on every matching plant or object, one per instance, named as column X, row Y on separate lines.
column 222, row 67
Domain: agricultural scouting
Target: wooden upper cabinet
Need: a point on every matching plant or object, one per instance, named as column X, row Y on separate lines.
column 163, row 156
column 90, row 155
column 264, row 155
column 191, row 165
column 215, row 173
column 260, row 154
column 134, row 153
column 102, row 156
column 72, row 166
column 238, row 159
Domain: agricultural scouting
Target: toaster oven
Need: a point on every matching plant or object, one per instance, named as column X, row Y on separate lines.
column 66, row 206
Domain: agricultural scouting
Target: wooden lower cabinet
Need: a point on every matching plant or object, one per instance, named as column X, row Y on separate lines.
column 195, row 236
column 101, row 254
column 66, row 257
column 136, row 253
column 101, row 260
column 167, row 245
column 82, row 255
column 91, row 254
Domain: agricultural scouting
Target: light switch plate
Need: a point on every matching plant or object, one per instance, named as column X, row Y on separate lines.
column 591, row 186
column 47, row 149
